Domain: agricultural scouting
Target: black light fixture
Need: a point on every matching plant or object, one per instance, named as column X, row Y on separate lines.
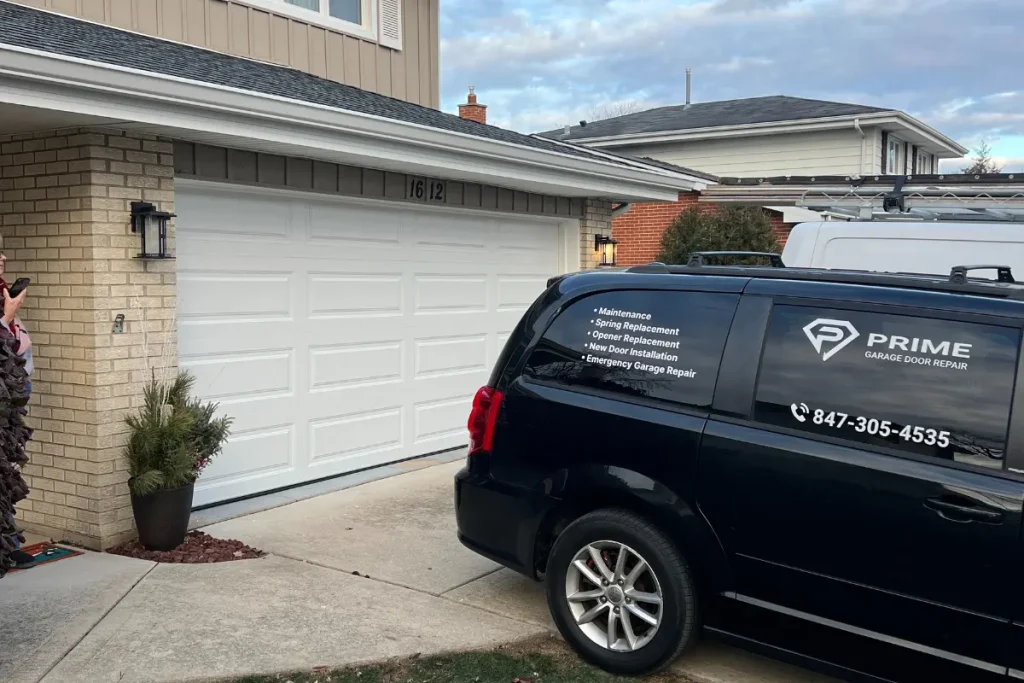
column 607, row 246
column 151, row 225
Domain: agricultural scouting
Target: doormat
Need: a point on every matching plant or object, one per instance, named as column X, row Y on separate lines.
column 47, row 552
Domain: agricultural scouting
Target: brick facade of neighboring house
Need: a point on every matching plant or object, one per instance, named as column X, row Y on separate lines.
column 639, row 230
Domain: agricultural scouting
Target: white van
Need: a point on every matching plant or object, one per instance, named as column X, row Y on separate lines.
column 911, row 247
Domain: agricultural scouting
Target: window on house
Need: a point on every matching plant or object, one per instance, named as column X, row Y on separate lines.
column 376, row 20
column 924, row 163
column 893, row 157
column 346, row 10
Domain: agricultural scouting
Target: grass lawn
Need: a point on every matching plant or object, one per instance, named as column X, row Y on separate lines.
column 543, row 660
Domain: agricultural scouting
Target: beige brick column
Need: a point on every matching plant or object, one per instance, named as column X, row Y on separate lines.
column 597, row 220
column 64, row 205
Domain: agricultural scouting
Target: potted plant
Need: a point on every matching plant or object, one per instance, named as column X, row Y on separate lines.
column 171, row 439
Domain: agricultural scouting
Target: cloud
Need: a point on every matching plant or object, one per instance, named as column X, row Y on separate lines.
column 540, row 64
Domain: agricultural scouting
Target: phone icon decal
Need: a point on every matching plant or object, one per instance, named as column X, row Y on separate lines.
column 800, row 411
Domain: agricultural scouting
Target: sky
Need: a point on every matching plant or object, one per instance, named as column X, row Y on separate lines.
column 540, row 64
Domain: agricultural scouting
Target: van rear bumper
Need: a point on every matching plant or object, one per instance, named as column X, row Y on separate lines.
column 499, row 521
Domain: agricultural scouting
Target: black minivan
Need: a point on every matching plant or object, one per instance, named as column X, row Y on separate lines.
column 825, row 464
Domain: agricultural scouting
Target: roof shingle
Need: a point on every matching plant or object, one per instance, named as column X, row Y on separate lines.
column 773, row 109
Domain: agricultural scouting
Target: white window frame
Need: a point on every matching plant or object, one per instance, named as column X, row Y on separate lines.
column 892, row 156
column 923, row 160
column 367, row 30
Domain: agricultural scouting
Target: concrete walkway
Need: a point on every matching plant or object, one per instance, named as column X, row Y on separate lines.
column 357, row 575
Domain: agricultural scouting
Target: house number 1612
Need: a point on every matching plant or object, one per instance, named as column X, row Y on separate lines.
column 424, row 190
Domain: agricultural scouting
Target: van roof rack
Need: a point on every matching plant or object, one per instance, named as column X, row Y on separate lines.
column 959, row 273
column 956, row 282
column 697, row 258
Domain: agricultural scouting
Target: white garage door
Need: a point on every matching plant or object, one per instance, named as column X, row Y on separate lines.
column 343, row 334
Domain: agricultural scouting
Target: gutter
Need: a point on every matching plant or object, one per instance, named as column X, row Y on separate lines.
column 621, row 210
column 863, row 137
column 202, row 112
column 778, row 128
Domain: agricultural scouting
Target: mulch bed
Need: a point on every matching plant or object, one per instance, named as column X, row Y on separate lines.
column 198, row 548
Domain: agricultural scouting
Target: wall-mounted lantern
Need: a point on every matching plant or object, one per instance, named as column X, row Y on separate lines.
column 151, row 226
column 607, row 246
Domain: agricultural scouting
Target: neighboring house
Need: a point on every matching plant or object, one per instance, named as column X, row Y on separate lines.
column 774, row 136
column 349, row 260
column 762, row 137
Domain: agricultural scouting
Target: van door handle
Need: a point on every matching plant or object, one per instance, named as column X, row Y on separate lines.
column 957, row 512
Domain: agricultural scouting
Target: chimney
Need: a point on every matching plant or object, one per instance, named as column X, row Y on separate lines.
column 689, row 81
column 471, row 110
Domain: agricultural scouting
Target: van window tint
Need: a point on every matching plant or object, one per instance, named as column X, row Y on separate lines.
column 932, row 387
column 648, row 344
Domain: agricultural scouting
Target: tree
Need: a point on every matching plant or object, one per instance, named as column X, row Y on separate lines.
column 983, row 162
column 724, row 228
column 611, row 110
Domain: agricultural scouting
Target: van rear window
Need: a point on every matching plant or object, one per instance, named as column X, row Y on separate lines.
column 661, row 345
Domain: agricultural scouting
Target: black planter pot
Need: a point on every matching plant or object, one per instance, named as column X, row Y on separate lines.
column 162, row 517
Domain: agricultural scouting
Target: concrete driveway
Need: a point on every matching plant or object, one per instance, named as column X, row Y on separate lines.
column 361, row 574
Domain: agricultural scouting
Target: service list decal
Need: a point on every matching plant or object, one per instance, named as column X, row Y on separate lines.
column 632, row 340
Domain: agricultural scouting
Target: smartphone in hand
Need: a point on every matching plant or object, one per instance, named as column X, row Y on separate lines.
column 18, row 287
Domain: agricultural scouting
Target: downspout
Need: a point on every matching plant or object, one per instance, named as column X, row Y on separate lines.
column 863, row 137
column 620, row 209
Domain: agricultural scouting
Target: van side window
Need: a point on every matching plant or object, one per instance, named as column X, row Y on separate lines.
column 932, row 387
column 661, row 345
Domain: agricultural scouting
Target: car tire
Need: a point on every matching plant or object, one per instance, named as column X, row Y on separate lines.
column 612, row 533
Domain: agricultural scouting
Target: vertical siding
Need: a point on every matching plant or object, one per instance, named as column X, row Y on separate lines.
column 317, row 51
column 172, row 19
column 206, row 162
column 411, row 74
column 259, row 31
column 239, row 29
column 148, row 20
column 411, row 51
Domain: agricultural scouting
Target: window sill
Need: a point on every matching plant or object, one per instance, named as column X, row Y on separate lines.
column 366, row 32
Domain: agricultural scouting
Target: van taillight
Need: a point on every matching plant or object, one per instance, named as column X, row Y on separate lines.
column 483, row 419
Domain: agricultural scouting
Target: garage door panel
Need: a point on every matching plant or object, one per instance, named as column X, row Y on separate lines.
column 342, row 402
column 354, row 365
column 441, row 420
column 453, row 237
column 248, row 295
column 340, row 438
column 440, row 356
column 252, row 219
column 199, row 342
column 517, row 292
column 358, row 337
column 339, row 294
column 356, row 226
column 450, row 294
column 259, row 374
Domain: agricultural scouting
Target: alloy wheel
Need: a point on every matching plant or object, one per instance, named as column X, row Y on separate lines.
column 614, row 596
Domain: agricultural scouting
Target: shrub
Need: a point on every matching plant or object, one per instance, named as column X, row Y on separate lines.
column 726, row 228
column 13, row 437
column 173, row 436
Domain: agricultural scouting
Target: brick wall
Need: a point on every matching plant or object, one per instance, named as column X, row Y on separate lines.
column 779, row 227
column 64, row 209
column 597, row 220
column 639, row 230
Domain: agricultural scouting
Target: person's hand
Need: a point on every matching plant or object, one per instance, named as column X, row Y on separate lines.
column 11, row 306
